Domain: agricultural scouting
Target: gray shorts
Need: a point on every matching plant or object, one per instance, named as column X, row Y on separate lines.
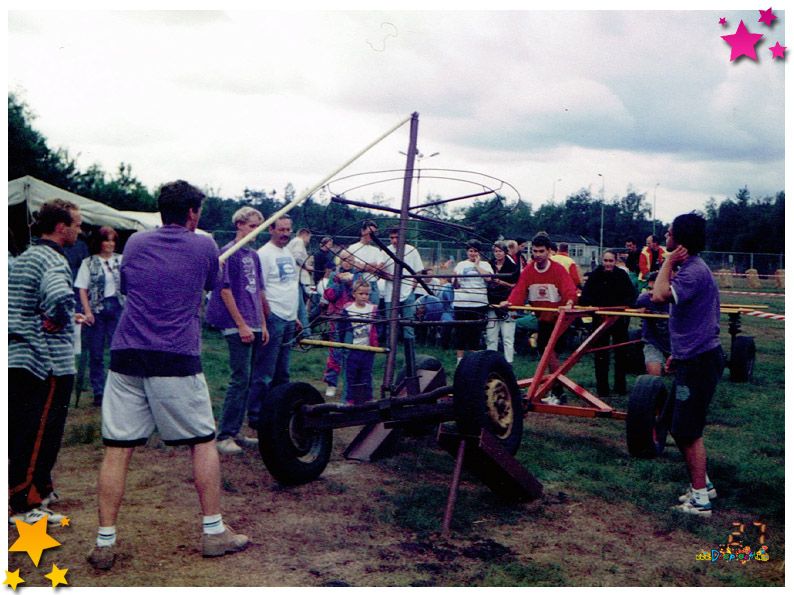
column 178, row 406
column 653, row 355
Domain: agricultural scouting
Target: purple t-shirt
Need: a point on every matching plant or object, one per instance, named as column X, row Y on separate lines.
column 163, row 274
column 242, row 274
column 695, row 310
column 655, row 331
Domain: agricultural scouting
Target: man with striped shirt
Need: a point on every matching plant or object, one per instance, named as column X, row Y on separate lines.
column 40, row 361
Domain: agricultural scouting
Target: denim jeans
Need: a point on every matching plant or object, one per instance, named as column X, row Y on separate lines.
column 271, row 364
column 358, row 376
column 97, row 335
column 405, row 311
column 241, row 357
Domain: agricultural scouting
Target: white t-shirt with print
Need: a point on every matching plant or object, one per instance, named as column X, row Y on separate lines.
column 280, row 274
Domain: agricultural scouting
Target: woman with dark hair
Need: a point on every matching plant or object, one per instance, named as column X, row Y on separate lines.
column 609, row 285
column 471, row 298
column 499, row 319
column 98, row 281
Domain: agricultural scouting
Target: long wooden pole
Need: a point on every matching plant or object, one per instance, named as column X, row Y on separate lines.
column 287, row 208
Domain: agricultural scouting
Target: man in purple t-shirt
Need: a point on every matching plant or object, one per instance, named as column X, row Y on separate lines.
column 155, row 377
column 697, row 358
column 237, row 308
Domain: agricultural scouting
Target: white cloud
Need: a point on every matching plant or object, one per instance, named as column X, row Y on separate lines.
column 259, row 99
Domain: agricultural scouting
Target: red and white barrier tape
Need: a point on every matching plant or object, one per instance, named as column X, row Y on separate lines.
column 762, row 293
column 765, row 315
column 746, row 275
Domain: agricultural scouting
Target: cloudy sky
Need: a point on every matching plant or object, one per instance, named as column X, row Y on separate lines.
column 545, row 101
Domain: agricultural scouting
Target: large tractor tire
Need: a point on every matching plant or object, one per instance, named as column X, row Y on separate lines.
column 486, row 396
column 742, row 361
column 646, row 434
column 292, row 454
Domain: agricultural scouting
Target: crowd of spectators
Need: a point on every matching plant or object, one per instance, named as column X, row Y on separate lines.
column 145, row 307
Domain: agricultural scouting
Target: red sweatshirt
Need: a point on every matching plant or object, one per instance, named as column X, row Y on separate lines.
column 550, row 289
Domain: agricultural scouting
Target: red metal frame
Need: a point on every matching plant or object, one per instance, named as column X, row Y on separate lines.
column 540, row 384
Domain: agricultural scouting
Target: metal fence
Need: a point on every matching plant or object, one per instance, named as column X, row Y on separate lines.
column 435, row 253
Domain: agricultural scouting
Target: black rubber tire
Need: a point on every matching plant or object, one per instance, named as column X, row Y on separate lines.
column 646, row 434
column 423, row 362
column 292, row 455
column 742, row 361
column 486, row 396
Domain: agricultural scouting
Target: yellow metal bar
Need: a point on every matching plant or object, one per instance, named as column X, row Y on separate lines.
column 281, row 212
column 320, row 343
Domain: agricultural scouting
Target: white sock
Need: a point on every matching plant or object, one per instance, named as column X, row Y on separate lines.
column 701, row 496
column 213, row 525
column 106, row 536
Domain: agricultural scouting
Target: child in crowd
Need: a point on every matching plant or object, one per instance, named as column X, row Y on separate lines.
column 338, row 293
column 655, row 331
column 358, row 364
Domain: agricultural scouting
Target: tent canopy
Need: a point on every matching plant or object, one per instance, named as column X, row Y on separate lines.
column 27, row 194
column 34, row 193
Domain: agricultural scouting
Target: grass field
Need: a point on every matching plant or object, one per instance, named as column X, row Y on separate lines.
column 604, row 518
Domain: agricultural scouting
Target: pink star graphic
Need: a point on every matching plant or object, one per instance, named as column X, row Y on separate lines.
column 723, row 22
column 767, row 17
column 743, row 42
column 777, row 51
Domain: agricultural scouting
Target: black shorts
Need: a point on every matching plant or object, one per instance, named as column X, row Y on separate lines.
column 544, row 334
column 693, row 387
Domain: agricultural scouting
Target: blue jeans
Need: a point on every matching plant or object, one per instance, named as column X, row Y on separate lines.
column 241, row 357
column 97, row 335
column 405, row 311
column 358, row 376
column 271, row 364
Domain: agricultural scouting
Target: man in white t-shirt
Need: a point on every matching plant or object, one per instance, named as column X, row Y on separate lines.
column 282, row 296
column 369, row 257
column 407, row 307
column 297, row 246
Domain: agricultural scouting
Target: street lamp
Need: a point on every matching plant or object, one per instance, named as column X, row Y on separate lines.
column 553, row 184
column 654, row 207
column 419, row 157
column 601, row 241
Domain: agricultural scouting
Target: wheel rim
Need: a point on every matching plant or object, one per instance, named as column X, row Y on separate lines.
column 305, row 444
column 499, row 406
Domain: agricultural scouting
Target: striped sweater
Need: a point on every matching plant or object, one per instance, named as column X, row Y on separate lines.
column 40, row 284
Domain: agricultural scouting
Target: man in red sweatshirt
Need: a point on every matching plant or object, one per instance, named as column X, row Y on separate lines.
column 547, row 285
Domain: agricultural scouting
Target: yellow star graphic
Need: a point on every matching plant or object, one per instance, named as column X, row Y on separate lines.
column 57, row 576
column 33, row 539
column 64, row 522
column 13, row 579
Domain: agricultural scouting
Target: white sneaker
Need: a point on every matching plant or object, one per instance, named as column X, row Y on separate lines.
column 241, row 438
column 52, row 498
column 553, row 400
column 689, row 494
column 330, row 391
column 228, row 447
column 35, row 515
column 695, row 509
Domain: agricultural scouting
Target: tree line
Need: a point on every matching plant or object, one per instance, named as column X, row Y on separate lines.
column 742, row 223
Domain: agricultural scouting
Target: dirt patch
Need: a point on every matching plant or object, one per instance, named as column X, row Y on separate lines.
column 342, row 530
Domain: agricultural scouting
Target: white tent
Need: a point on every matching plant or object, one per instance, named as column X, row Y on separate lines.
column 34, row 193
